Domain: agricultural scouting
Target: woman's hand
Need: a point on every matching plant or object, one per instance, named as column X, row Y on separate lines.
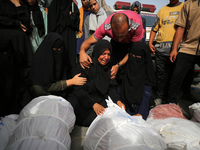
column 76, row 80
column 120, row 104
column 99, row 109
column 79, row 80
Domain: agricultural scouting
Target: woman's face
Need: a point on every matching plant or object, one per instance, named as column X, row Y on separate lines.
column 94, row 6
column 31, row 2
column 105, row 57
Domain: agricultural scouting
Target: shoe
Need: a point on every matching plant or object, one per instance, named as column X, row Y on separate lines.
column 158, row 101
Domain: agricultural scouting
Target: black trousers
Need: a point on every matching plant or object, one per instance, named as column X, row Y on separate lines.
column 164, row 70
column 182, row 74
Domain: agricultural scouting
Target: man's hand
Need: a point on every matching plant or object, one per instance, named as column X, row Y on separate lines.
column 99, row 109
column 121, row 105
column 114, row 71
column 85, row 60
column 152, row 48
column 173, row 55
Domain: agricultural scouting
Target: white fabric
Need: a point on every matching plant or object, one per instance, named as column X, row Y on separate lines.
column 195, row 112
column 95, row 20
column 178, row 133
column 7, row 126
column 117, row 130
column 44, row 124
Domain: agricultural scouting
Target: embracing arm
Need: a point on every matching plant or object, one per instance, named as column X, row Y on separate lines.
column 85, row 60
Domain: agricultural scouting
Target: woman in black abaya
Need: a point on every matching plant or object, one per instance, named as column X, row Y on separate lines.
column 63, row 18
column 49, row 73
column 138, row 80
column 89, row 100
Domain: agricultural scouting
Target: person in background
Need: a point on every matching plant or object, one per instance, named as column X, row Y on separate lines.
column 139, row 78
column 96, row 18
column 15, row 55
column 63, row 18
column 188, row 30
column 164, row 25
column 49, row 73
column 88, row 100
column 106, row 7
column 38, row 18
column 136, row 7
column 84, row 12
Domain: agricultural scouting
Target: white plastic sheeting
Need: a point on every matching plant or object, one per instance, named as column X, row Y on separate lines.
column 195, row 111
column 44, row 124
column 7, row 126
column 117, row 130
column 178, row 133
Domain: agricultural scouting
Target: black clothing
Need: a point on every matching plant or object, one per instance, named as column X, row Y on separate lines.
column 96, row 89
column 16, row 57
column 183, row 65
column 139, row 71
column 50, row 66
column 37, row 17
column 164, row 70
column 63, row 18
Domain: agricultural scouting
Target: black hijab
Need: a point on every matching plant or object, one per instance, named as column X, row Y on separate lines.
column 139, row 71
column 101, row 73
column 49, row 65
column 37, row 17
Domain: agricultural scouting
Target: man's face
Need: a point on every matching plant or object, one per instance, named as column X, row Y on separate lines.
column 84, row 3
column 31, row 2
column 174, row 2
column 135, row 9
column 94, row 6
column 120, row 33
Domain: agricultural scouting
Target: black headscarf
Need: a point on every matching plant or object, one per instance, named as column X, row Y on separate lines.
column 49, row 65
column 101, row 72
column 139, row 71
column 37, row 17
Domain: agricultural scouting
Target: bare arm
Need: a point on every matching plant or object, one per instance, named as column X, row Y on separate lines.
column 115, row 68
column 151, row 38
column 177, row 39
column 84, row 59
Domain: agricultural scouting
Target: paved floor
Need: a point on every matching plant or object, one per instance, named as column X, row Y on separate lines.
column 78, row 134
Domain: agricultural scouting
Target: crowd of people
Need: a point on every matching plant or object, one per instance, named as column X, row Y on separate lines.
column 88, row 54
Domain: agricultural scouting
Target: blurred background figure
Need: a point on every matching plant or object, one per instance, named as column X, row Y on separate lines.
column 16, row 55
column 63, row 18
column 136, row 7
column 84, row 12
column 38, row 21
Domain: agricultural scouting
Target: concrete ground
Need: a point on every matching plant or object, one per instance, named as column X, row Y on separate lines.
column 78, row 133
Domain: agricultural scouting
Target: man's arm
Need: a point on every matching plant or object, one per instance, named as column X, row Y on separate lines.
column 84, row 59
column 177, row 39
column 151, row 38
column 115, row 68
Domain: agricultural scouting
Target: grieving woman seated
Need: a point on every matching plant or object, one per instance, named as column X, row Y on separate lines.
column 49, row 73
column 89, row 100
column 139, row 77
